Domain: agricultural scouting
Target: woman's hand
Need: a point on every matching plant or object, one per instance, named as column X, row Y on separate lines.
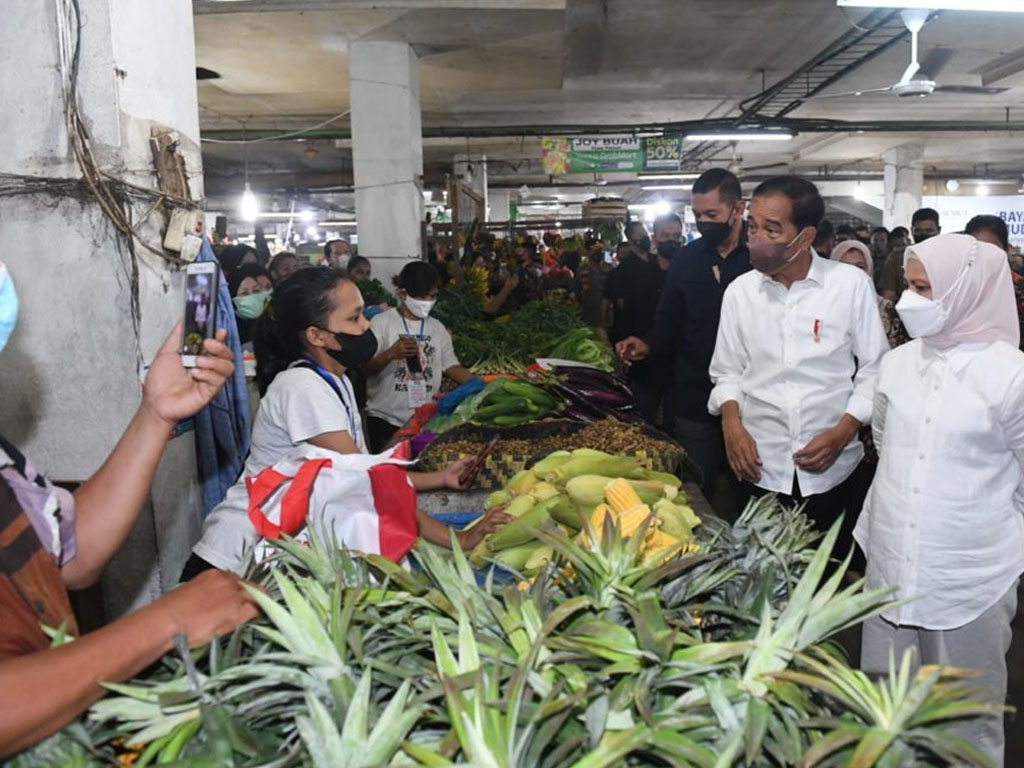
column 491, row 522
column 173, row 392
column 406, row 346
column 453, row 473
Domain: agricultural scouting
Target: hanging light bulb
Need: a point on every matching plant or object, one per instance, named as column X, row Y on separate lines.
column 249, row 208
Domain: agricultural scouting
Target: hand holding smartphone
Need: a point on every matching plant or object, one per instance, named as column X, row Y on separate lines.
column 202, row 280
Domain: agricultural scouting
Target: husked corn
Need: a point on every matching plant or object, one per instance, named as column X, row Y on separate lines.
column 621, row 496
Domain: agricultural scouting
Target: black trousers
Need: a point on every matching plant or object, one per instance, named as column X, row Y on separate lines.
column 823, row 509
column 379, row 432
column 651, row 401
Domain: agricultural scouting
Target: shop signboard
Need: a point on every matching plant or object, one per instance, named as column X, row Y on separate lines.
column 663, row 153
column 591, row 154
column 956, row 210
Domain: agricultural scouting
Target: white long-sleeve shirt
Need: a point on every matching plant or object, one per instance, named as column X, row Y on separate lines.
column 944, row 520
column 795, row 361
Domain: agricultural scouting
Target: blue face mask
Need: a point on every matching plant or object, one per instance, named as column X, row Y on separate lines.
column 8, row 306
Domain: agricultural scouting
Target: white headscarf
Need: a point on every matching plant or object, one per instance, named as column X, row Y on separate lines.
column 972, row 279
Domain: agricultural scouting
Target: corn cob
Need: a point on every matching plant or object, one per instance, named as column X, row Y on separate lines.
column 522, row 482
column 543, row 491
column 496, row 499
column 664, row 478
column 587, row 490
column 521, row 530
column 550, row 463
column 608, row 466
column 520, row 506
column 621, row 496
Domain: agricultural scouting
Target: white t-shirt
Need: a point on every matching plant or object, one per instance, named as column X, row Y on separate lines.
column 299, row 405
column 388, row 391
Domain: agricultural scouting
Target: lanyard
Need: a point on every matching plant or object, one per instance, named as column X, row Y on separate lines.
column 423, row 322
column 326, row 376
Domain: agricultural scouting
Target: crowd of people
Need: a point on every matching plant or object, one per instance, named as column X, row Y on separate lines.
column 891, row 397
column 868, row 374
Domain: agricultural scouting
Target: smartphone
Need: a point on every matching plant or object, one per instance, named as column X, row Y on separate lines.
column 201, row 282
column 413, row 364
column 475, row 467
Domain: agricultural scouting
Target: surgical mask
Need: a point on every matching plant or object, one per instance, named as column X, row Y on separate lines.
column 250, row 307
column 769, row 257
column 419, row 307
column 715, row 232
column 8, row 306
column 926, row 317
column 921, row 317
column 356, row 348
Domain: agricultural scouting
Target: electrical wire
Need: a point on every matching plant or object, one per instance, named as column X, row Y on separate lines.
column 279, row 136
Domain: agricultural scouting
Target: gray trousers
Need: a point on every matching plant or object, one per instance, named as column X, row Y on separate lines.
column 982, row 645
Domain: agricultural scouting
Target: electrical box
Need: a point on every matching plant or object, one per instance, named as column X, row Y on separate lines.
column 185, row 232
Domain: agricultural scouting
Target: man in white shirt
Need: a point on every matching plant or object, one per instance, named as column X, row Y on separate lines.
column 795, row 362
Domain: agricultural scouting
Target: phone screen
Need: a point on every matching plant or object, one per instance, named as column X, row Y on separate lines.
column 199, row 311
column 414, row 364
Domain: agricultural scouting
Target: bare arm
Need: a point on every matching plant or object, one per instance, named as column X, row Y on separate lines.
column 108, row 504
column 42, row 692
column 458, row 374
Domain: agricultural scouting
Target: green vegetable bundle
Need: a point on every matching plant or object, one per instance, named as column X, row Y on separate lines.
column 712, row 659
column 508, row 403
column 375, row 293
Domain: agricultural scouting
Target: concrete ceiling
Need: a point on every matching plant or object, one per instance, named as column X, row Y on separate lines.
column 284, row 65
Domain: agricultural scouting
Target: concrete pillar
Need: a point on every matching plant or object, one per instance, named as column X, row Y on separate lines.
column 904, row 184
column 498, row 204
column 471, row 170
column 71, row 374
column 387, row 153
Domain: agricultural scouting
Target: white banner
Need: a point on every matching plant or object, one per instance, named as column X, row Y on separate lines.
column 599, row 143
column 956, row 211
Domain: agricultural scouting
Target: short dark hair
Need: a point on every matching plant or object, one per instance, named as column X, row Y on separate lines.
column 844, row 230
column 808, row 207
column 631, row 225
column 925, row 214
column 329, row 243
column 417, row 278
column 667, row 218
column 724, row 181
column 899, row 232
column 825, row 231
column 883, row 230
column 357, row 261
column 989, row 223
column 859, row 227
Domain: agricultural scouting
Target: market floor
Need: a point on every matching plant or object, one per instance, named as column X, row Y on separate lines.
column 1015, row 689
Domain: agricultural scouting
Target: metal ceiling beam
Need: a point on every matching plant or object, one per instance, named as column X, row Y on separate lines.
column 876, row 33
column 799, row 125
column 303, row 6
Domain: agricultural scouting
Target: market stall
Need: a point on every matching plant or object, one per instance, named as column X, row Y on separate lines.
column 649, row 636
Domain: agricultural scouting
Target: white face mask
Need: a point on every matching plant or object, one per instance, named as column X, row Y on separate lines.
column 921, row 317
column 926, row 317
column 419, row 307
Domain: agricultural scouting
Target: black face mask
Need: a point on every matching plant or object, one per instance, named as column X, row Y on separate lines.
column 643, row 244
column 715, row 232
column 920, row 237
column 356, row 348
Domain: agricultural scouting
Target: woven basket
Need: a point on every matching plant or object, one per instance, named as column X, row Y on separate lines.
column 663, row 454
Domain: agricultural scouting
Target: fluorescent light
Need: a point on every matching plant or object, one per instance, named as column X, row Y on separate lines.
column 741, row 136
column 349, row 223
column 668, row 176
column 1005, row 6
column 311, row 232
column 656, row 187
column 982, row 189
column 306, row 215
column 248, row 207
column 661, row 207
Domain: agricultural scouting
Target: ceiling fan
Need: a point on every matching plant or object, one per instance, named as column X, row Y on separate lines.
column 919, row 79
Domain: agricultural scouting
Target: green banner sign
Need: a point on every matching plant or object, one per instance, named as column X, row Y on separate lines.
column 561, row 155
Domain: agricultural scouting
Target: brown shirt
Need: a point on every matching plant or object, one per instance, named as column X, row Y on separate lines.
column 32, row 592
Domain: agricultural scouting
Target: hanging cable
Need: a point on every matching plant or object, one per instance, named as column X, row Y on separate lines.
column 279, row 136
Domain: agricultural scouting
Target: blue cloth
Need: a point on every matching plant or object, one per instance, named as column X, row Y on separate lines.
column 222, row 427
column 450, row 402
column 371, row 312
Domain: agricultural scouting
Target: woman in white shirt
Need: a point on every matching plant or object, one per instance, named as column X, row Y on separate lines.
column 415, row 351
column 944, row 520
column 312, row 332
